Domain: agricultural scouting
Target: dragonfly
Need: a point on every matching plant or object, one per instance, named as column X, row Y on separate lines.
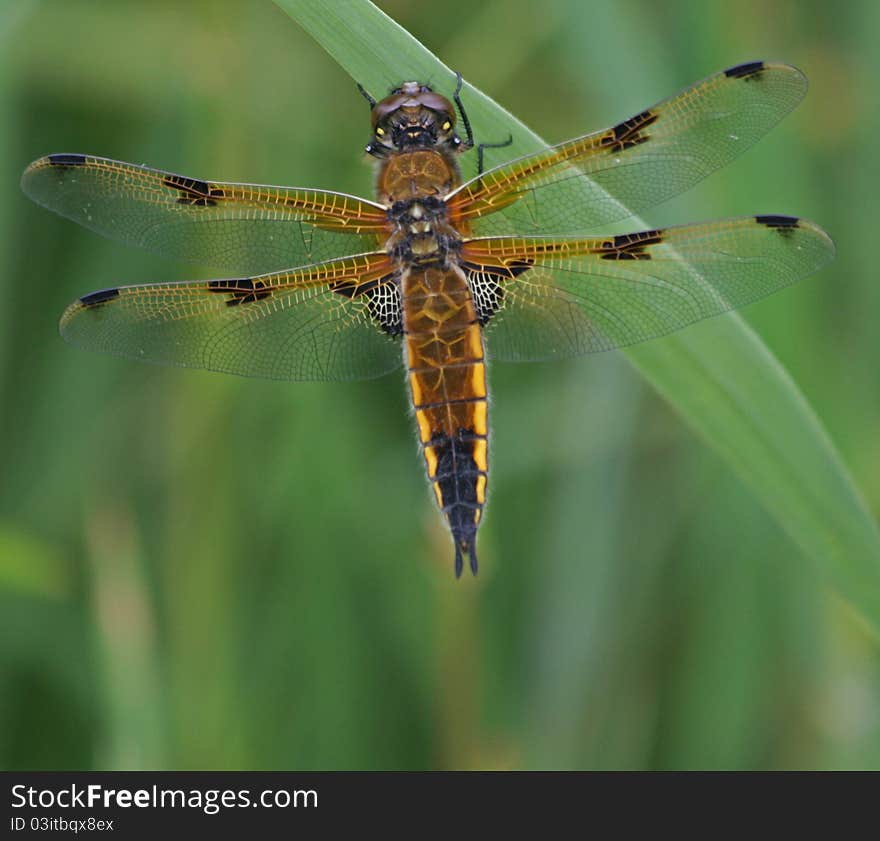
column 438, row 273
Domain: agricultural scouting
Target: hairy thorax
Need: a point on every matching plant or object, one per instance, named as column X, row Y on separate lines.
column 413, row 185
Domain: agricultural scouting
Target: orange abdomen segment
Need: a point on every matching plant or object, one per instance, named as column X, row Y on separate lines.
column 447, row 379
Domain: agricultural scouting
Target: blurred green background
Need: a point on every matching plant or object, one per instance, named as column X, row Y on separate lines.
column 199, row 571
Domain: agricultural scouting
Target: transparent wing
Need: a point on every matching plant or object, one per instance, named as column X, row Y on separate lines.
column 334, row 321
column 640, row 162
column 234, row 227
column 545, row 299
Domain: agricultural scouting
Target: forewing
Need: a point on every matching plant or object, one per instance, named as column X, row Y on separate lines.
column 546, row 299
column 610, row 175
column 233, row 227
column 334, row 321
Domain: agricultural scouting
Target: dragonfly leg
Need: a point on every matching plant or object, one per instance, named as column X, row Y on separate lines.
column 483, row 146
column 456, row 98
column 468, row 141
column 362, row 91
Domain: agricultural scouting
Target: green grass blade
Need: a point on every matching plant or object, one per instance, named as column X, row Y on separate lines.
column 720, row 376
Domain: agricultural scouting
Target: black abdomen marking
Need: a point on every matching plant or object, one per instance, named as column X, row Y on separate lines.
column 457, row 477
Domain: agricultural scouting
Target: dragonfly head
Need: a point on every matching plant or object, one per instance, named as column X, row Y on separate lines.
column 412, row 117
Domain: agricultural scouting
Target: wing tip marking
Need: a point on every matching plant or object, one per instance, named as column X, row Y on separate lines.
column 96, row 299
column 65, row 159
column 784, row 225
column 749, row 70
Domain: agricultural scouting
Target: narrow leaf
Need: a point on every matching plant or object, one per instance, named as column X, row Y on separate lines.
column 719, row 375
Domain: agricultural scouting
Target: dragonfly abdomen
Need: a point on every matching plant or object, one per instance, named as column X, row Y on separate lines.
column 447, row 379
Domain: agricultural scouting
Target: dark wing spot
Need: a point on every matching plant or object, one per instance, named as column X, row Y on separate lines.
column 642, row 237
column 192, row 191
column 382, row 299
column 751, row 70
column 353, row 289
column 777, row 221
column 630, row 132
column 784, row 225
column 486, row 285
column 66, row 160
column 190, row 185
column 629, row 246
column 95, row 299
column 245, row 290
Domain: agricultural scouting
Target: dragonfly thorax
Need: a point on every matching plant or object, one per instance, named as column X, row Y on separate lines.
column 421, row 232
